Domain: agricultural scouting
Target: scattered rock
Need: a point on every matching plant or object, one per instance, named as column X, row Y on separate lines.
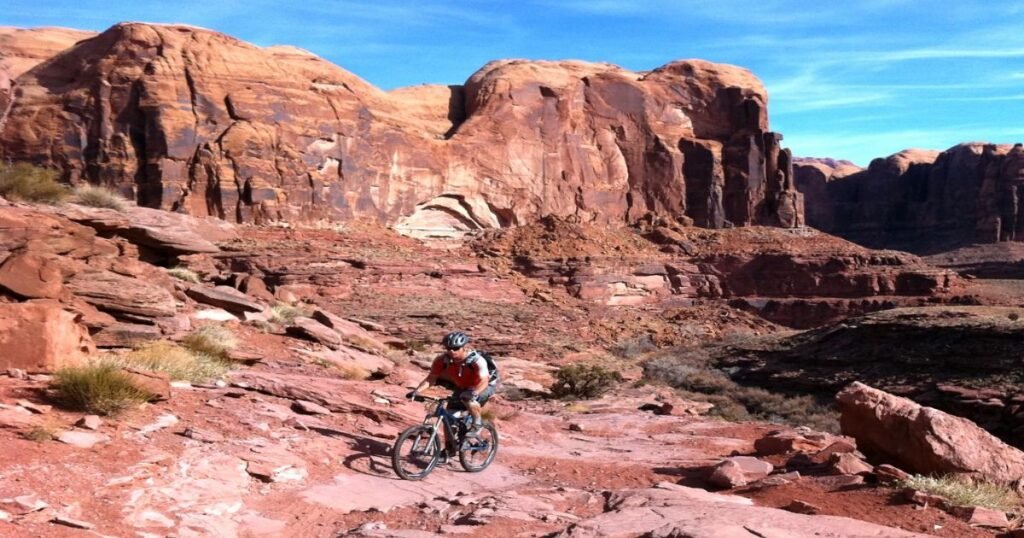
column 575, row 427
column 89, row 422
column 922, row 498
column 157, row 384
column 801, row 507
column 205, row 436
column 214, row 314
column 120, row 334
column 309, row 408
column 17, row 373
column 32, row 276
column 887, row 474
column 35, row 408
column 922, row 439
column 82, row 439
column 839, row 482
column 75, row 523
column 848, row 464
column 786, row 441
column 4, row 516
column 312, row 329
column 27, row 503
column 163, row 421
column 979, row 516
column 16, row 418
column 739, row 471
column 224, row 297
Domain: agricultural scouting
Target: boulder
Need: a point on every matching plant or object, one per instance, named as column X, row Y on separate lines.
column 739, row 471
column 32, row 276
column 924, row 440
column 121, row 334
column 122, row 295
column 41, row 337
column 312, row 329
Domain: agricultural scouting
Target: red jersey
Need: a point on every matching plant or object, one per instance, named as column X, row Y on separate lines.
column 462, row 375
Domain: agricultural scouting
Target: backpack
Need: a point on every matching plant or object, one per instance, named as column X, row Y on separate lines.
column 492, row 367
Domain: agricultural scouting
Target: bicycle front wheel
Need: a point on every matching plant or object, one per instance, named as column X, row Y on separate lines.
column 476, row 453
column 416, row 452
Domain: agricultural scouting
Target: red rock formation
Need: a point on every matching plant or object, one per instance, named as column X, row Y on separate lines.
column 22, row 49
column 192, row 120
column 922, row 201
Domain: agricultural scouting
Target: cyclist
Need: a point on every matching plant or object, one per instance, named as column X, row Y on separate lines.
column 464, row 371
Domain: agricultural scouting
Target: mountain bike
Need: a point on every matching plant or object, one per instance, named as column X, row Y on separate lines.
column 419, row 448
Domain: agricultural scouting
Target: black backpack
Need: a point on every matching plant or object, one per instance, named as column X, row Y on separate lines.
column 492, row 367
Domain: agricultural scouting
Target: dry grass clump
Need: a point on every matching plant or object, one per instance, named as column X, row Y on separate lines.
column 28, row 183
column 40, row 434
column 99, row 388
column 93, row 196
column 285, row 314
column 213, row 341
column 634, row 347
column 961, row 492
column 185, row 274
column 583, row 381
column 179, row 363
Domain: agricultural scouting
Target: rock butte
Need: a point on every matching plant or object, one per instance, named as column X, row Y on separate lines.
column 191, row 120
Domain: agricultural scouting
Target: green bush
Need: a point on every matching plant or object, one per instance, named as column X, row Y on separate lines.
column 99, row 388
column 93, row 196
column 28, row 183
column 583, row 381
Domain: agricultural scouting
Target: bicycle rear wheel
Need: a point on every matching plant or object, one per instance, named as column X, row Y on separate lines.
column 414, row 455
column 476, row 454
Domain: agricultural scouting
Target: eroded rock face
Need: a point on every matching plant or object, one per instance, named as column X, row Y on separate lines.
column 192, row 120
column 925, row 440
column 922, row 201
column 23, row 48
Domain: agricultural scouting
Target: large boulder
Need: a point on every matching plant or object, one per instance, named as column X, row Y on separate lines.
column 277, row 133
column 40, row 336
column 922, row 439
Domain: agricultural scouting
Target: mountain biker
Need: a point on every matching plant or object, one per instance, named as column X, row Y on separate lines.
column 464, row 371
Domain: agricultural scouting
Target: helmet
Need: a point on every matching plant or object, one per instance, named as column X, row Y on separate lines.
column 455, row 340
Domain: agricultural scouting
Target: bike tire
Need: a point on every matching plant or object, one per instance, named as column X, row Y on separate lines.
column 411, row 435
column 466, row 450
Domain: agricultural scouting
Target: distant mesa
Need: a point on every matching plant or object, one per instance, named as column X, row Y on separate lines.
column 196, row 121
column 917, row 200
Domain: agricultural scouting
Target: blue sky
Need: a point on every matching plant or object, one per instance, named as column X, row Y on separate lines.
column 855, row 81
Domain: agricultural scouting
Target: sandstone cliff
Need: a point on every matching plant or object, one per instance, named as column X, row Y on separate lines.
column 922, row 201
column 192, row 120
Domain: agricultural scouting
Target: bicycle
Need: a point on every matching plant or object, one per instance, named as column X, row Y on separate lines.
column 424, row 441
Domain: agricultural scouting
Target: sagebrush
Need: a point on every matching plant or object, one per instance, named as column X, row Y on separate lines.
column 962, row 492
column 93, row 196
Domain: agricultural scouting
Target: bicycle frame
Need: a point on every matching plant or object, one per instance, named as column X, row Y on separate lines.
column 449, row 420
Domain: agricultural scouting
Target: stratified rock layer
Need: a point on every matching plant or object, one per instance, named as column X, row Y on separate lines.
column 921, row 201
column 192, row 120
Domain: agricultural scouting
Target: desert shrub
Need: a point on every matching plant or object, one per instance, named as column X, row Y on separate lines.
column 583, row 381
column 25, row 182
column 93, row 196
column 1013, row 316
column 212, row 340
column 962, row 492
column 634, row 347
column 179, row 363
column 352, row 372
column 185, row 274
column 99, row 388
column 691, row 373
